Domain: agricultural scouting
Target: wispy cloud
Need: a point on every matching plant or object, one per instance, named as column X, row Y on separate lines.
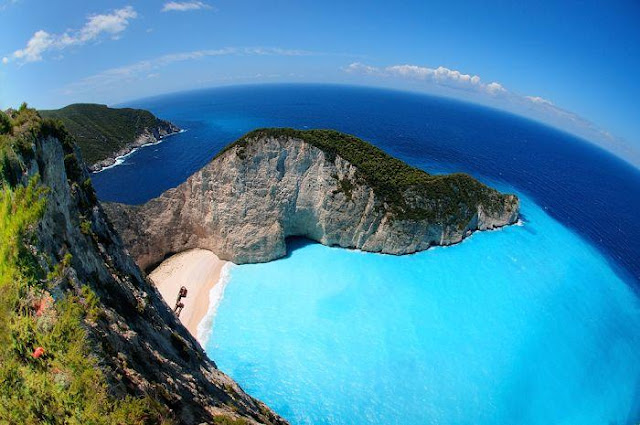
column 6, row 3
column 539, row 100
column 184, row 6
column 495, row 94
column 117, row 76
column 112, row 24
column 457, row 80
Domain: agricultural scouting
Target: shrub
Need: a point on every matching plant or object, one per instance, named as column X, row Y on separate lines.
column 226, row 420
column 5, row 123
column 63, row 384
column 85, row 227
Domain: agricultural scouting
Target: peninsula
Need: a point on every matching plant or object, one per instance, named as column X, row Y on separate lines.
column 321, row 184
column 103, row 134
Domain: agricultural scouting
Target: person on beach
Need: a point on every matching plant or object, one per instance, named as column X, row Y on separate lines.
column 179, row 305
column 179, row 308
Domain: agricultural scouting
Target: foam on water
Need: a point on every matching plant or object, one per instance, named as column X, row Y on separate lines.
column 528, row 325
column 119, row 160
column 205, row 327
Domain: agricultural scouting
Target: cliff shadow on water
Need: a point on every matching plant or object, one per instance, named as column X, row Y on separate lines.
column 295, row 243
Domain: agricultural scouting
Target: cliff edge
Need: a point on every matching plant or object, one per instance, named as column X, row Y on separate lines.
column 85, row 337
column 321, row 184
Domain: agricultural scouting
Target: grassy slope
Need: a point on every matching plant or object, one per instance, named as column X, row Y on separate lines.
column 392, row 178
column 65, row 384
column 101, row 131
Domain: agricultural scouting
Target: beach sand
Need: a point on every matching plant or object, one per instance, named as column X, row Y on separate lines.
column 198, row 270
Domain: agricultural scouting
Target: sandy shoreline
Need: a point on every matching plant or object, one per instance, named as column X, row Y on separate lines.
column 198, row 270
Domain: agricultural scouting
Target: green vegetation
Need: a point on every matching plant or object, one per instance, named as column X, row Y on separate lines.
column 47, row 372
column 409, row 192
column 226, row 420
column 101, row 131
column 344, row 186
column 5, row 123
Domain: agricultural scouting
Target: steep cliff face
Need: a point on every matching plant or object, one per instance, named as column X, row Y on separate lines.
column 140, row 345
column 272, row 185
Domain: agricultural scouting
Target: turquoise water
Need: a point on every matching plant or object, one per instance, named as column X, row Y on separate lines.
column 529, row 325
column 524, row 325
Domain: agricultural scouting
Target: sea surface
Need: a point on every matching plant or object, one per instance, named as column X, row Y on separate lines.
column 531, row 324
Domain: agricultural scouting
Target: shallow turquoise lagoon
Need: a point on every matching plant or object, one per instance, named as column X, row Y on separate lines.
column 524, row 325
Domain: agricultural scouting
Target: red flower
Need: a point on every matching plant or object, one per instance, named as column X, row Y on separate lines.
column 37, row 352
column 40, row 308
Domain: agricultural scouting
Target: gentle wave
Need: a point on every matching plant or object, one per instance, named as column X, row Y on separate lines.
column 120, row 159
column 205, row 327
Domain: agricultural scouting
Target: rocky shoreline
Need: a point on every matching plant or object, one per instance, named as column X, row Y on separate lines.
column 147, row 138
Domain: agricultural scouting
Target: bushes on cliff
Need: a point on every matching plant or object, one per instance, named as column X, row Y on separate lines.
column 454, row 196
column 48, row 374
column 5, row 123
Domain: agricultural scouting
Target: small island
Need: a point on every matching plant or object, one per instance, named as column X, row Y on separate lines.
column 104, row 134
column 324, row 185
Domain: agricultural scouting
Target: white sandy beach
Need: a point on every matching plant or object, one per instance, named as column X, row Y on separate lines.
column 198, row 270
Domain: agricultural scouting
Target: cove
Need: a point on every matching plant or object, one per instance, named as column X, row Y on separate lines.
column 524, row 325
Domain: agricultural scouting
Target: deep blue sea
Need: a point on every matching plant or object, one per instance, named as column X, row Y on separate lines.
column 532, row 324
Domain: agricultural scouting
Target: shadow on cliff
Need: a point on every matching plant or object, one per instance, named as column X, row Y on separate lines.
column 297, row 242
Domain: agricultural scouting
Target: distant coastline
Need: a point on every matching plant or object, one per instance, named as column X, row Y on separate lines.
column 120, row 156
column 105, row 136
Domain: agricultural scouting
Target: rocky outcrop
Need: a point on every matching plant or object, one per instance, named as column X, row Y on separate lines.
column 269, row 186
column 141, row 346
column 149, row 136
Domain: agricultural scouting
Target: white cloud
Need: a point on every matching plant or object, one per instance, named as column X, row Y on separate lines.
column 495, row 88
column 184, row 6
column 440, row 76
column 360, row 68
column 112, row 24
column 539, row 100
column 5, row 60
column 38, row 44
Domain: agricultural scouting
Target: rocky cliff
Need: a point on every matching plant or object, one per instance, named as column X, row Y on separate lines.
column 139, row 345
column 323, row 185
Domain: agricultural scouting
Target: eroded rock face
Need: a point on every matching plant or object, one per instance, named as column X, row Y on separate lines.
column 245, row 202
column 140, row 345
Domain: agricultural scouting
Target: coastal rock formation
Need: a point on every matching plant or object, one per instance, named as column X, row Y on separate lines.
column 323, row 185
column 136, row 339
column 104, row 134
column 148, row 136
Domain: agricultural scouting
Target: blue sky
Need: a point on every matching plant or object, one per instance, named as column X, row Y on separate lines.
column 572, row 64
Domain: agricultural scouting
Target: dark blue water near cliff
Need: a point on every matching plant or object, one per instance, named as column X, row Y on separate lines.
column 582, row 186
